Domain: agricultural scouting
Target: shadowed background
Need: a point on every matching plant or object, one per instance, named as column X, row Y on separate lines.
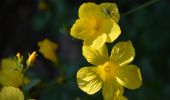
column 24, row 23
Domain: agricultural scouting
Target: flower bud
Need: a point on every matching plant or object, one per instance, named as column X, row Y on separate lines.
column 19, row 57
column 31, row 58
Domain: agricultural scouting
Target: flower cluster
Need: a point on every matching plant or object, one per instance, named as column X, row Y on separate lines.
column 12, row 76
column 12, row 71
column 97, row 24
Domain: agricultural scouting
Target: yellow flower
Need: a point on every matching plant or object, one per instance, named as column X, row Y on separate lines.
column 31, row 59
column 11, row 93
column 42, row 5
column 96, row 25
column 48, row 48
column 10, row 74
column 109, row 73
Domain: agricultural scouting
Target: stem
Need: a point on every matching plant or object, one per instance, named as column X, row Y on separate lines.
column 140, row 7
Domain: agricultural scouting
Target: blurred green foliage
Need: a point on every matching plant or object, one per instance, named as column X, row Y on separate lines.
column 24, row 23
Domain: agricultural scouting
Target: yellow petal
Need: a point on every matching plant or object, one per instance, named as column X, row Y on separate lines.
column 10, row 74
column 105, row 26
column 95, row 56
column 111, row 28
column 123, row 53
column 11, row 78
column 110, row 88
column 11, row 93
column 111, row 10
column 88, row 80
column 82, row 30
column 115, row 32
column 98, row 42
column 129, row 76
column 90, row 11
column 48, row 49
column 7, row 64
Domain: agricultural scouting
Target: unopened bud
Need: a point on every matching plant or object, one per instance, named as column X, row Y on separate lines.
column 31, row 58
column 19, row 57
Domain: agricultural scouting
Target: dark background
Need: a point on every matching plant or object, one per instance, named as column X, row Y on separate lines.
column 23, row 23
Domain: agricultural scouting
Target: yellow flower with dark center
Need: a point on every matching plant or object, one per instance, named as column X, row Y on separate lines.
column 11, row 74
column 48, row 49
column 109, row 73
column 31, row 59
column 95, row 26
column 11, row 93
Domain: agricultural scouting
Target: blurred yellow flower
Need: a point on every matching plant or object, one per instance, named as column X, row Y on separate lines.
column 42, row 5
column 110, row 74
column 48, row 48
column 95, row 26
column 11, row 93
column 10, row 74
column 31, row 59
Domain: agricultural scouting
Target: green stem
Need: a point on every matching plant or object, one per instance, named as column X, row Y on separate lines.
column 140, row 7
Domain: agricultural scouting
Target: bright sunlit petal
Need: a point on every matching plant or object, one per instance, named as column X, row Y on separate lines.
column 90, row 11
column 129, row 76
column 115, row 32
column 88, row 80
column 11, row 93
column 94, row 56
column 110, row 88
column 123, row 53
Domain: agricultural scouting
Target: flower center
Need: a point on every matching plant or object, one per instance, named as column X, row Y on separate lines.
column 96, row 25
column 108, row 70
column 110, row 67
